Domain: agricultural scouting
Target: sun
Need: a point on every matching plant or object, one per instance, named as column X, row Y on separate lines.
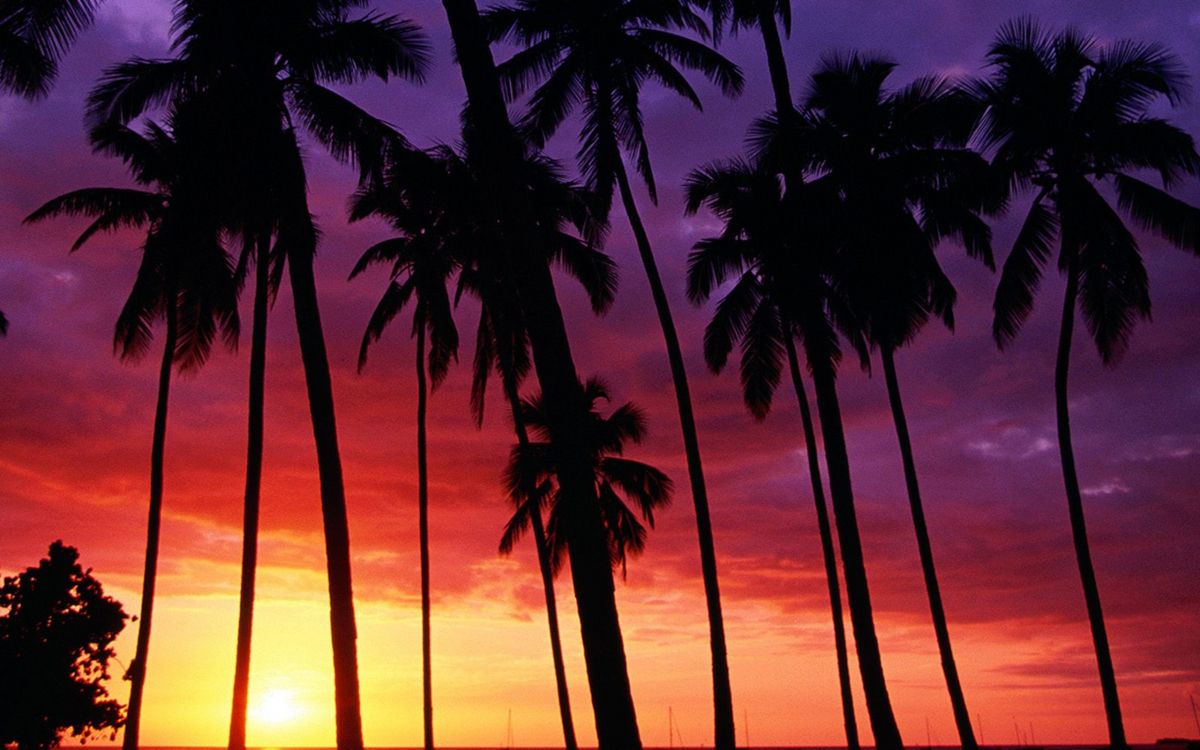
column 276, row 706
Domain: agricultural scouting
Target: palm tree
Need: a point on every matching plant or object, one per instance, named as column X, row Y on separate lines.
column 33, row 36
column 498, row 153
column 595, row 56
column 751, row 204
column 185, row 279
column 897, row 159
column 743, row 14
column 421, row 270
column 817, row 311
column 502, row 345
column 531, row 479
column 263, row 66
column 1064, row 117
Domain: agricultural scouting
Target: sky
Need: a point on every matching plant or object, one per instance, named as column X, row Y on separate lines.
column 75, row 430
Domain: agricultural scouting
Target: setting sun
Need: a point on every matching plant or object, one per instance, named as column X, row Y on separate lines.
column 276, row 707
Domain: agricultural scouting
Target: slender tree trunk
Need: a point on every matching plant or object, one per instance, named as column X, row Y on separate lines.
column 866, row 644
column 137, row 670
column 831, row 572
column 490, row 136
column 254, row 458
column 722, row 693
column 962, row 718
column 1083, row 555
column 543, row 555
column 423, row 524
column 333, row 502
column 776, row 63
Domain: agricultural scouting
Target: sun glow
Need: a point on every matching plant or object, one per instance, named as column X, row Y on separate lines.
column 276, row 706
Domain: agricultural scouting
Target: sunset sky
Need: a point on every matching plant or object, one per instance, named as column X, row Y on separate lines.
column 75, row 430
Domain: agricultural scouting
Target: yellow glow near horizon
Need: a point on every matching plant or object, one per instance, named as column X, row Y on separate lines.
column 276, row 706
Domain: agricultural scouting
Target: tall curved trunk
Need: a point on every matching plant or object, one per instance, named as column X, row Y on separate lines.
column 423, row 532
column 137, row 669
column 776, row 63
column 785, row 107
column 858, row 595
column 543, row 556
column 254, row 459
column 492, row 141
column 1083, row 555
column 831, row 573
column 962, row 718
column 722, row 692
column 343, row 632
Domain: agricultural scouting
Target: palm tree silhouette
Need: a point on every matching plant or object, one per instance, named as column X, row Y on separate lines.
column 270, row 61
column 421, row 269
column 531, row 479
column 502, row 342
column 907, row 182
column 596, row 56
column 1064, row 116
column 814, row 307
column 33, row 36
column 751, row 204
column 185, row 279
column 499, row 153
column 768, row 16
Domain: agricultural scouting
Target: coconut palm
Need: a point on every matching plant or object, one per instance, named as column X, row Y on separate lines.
column 264, row 66
column 531, row 479
column 185, row 279
column 421, row 269
column 596, row 56
column 499, row 153
column 750, row 203
column 819, row 313
column 1065, row 118
column 906, row 180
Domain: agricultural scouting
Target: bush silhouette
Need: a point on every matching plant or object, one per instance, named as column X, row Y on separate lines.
column 56, row 634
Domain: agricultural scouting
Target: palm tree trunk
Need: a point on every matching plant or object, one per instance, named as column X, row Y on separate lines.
column 962, row 718
column 343, row 632
column 722, row 693
column 493, row 142
column 826, row 533
column 423, row 525
column 137, row 669
column 1083, row 555
column 858, row 595
column 254, row 458
column 776, row 63
column 543, row 555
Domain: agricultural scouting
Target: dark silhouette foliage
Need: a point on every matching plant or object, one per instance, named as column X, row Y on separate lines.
column 56, row 635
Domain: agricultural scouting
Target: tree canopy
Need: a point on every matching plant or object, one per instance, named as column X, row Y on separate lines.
column 56, row 635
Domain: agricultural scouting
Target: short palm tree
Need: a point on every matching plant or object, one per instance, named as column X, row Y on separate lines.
column 898, row 161
column 421, row 269
column 596, row 56
column 1066, row 117
column 185, row 279
column 750, row 202
column 531, row 479
column 259, row 68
